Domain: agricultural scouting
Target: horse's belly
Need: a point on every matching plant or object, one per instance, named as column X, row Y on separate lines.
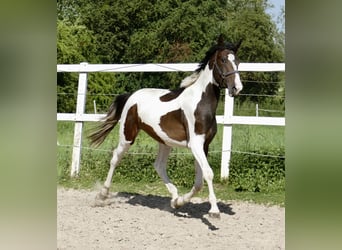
column 171, row 133
column 163, row 121
column 173, row 143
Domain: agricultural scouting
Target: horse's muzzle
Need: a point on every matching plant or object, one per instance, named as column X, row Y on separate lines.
column 233, row 92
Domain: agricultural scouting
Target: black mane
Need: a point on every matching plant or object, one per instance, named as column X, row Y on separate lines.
column 212, row 51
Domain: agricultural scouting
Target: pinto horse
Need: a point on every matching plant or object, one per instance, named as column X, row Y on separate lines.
column 184, row 117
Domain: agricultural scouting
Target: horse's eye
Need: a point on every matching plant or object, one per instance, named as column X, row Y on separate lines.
column 224, row 60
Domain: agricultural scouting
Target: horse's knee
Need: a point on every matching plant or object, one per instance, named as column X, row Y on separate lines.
column 208, row 174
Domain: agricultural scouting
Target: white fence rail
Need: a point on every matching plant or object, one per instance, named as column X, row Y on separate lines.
column 228, row 119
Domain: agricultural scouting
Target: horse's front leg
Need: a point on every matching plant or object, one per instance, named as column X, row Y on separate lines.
column 199, row 154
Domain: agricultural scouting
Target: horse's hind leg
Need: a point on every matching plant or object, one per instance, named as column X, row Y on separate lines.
column 160, row 166
column 195, row 189
column 117, row 156
column 128, row 132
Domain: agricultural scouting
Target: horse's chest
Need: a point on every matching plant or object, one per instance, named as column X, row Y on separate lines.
column 205, row 111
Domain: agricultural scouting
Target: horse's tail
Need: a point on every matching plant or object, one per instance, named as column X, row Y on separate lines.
column 113, row 116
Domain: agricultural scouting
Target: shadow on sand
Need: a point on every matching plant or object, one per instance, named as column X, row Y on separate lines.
column 189, row 210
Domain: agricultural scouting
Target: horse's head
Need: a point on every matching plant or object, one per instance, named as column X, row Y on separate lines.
column 225, row 67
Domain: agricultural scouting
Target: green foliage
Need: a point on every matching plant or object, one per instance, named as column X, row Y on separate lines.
column 181, row 170
column 101, row 89
column 167, row 31
column 257, row 173
column 247, row 172
column 252, row 177
column 270, row 107
column 75, row 44
column 262, row 42
column 66, row 92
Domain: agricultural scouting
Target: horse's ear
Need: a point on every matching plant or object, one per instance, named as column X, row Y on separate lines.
column 237, row 46
column 220, row 40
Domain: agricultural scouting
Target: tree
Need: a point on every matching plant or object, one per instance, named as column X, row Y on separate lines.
column 250, row 22
column 75, row 44
column 69, row 37
column 67, row 10
column 143, row 31
column 165, row 31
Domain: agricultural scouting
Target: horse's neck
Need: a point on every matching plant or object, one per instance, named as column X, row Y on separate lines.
column 205, row 77
column 205, row 80
column 205, row 90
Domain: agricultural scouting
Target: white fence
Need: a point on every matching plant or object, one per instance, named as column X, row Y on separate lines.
column 228, row 119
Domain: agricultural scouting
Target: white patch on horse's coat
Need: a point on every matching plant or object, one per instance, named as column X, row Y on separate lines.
column 238, row 83
column 231, row 58
column 151, row 111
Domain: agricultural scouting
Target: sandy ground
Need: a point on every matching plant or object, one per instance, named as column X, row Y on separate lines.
column 148, row 222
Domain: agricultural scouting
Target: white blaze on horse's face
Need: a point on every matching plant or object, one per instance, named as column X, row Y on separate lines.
column 234, row 90
column 226, row 74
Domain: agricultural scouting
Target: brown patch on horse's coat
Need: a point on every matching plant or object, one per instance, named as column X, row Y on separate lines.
column 210, row 136
column 171, row 95
column 175, row 125
column 211, row 63
column 150, row 131
column 133, row 124
column 205, row 111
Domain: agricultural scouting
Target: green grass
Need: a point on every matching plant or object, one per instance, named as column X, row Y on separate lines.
column 245, row 138
column 95, row 163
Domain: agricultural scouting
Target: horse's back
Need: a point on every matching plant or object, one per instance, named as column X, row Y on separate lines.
column 150, row 99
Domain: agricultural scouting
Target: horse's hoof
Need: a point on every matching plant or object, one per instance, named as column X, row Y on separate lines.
column 99, row 203
column 102, row 200
column 215, row 215
column 175, row 203
column 100, row 196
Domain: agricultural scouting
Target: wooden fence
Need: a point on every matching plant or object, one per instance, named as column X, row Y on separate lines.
column 227, row 119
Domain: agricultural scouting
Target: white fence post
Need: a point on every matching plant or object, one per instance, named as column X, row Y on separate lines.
column 227, row 135
column 257, row 110
column 80, row 106
column 94, row 102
